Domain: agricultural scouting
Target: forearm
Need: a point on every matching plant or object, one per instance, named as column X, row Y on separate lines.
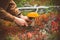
column 6, row 16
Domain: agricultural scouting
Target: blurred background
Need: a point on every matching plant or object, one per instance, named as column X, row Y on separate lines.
column 44, row 27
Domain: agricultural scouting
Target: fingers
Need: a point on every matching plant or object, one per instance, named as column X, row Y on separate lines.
column 26, row 24
column 23, row 24
column 20, row 22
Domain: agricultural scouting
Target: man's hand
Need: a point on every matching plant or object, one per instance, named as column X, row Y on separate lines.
column 24, row 17
column 20, row 21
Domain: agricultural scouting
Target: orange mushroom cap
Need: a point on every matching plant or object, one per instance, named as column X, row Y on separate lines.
column 33, row 14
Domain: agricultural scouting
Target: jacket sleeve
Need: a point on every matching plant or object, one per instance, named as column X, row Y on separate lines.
column 12, row 8
column 5, row 15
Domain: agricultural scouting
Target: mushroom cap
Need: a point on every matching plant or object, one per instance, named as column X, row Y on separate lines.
column 33, row 14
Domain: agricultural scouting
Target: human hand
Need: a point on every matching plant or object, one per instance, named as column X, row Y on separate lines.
column 20, row 22
column 24, row 17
